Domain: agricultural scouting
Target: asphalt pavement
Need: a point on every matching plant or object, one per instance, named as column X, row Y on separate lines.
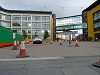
column 51, row 59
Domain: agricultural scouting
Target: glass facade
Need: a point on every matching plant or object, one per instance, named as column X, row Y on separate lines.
column 71, row 27
column 27, row 30
column 16, row 24
column 45, row 24
column 5, row 24
column 45, row 18
column 17, row 30
column 37, row 30
column 96, row 20
column 36, row 18
column 26, row 17
column 30, row 24
column 5, row 17
column 36, row 24
column 16, row 17
column 69, row 20
column 26, row 24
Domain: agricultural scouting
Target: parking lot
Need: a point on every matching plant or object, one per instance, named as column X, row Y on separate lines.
column 51, row 59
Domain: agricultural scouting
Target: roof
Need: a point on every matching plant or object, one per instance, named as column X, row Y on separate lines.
column 25, row 11
column 92, row 5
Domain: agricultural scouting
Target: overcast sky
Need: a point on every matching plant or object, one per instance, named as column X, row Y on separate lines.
column 62, row 8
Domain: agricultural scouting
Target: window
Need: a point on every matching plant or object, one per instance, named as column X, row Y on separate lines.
column 16, row 30
column 16, row 17
column 26, row 24
column 38, row 31
column 26, row 30
column 46, row 25
column 26, row 18
column 16, row 24
column 5, row 17
column 36, row 18
column 97, row 21
column 5, row 24
column 36, row 24
column 45, row 18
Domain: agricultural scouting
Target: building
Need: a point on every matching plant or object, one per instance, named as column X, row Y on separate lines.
column 84, row 20
column 76, row 19
column 93, row 19
column 30, row 22
column 68, row 24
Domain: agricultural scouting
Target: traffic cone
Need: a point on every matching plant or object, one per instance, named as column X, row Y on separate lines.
column 22, row 50
column 46, row 41
column 27, row 42
column 60, row 42
column 97, row 64
column 50, row 42
column 15, row 45
column 76, row 44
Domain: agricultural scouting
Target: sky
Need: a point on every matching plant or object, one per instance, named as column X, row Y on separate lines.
column 62, row 8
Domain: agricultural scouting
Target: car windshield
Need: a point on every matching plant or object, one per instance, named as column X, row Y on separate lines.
column 37, row 38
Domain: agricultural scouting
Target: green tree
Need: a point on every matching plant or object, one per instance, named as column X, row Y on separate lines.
column 46, row 34
column 24, row 34
column 35, row 34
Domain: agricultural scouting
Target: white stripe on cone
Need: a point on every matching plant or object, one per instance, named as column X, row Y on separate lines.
column 15, row 42
column 22, row 44
column 76, row 41
column 60, row 41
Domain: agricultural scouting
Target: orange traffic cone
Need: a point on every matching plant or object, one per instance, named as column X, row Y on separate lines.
column 15, row 45
column 60, row 42
column 22, row 50
column 46, row 41
column 50, row 42
column 76, row 44
column 97, row 64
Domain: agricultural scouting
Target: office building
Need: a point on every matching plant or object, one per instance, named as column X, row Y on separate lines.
column 30, row 22
column 93, row 20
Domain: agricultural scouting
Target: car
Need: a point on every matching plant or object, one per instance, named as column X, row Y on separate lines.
column 37, row 41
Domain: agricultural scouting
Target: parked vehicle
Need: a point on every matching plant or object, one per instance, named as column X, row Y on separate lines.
column 37, row 41
column 6, row 37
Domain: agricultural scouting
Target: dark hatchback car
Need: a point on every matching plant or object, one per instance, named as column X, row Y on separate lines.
column 37, row 41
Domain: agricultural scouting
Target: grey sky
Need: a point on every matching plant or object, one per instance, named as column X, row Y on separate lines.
column 62, row 8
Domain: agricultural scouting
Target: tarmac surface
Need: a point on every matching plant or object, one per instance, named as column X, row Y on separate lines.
column 51, row 59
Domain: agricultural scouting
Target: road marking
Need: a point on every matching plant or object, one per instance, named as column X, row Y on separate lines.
column 41, row 58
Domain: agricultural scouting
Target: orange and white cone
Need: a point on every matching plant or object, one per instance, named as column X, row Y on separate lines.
column 22, row 50
column 76, row 44
column 15, row 45
column 50, row 42
column 97, row 64
column 27, row 42
column 46, row 41
column 60, row 42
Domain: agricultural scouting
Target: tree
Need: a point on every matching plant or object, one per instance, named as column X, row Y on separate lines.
column 35, row 34
column 24, row 34
column 46, row 34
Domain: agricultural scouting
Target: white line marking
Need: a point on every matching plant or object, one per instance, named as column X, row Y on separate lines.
column 41, row 58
